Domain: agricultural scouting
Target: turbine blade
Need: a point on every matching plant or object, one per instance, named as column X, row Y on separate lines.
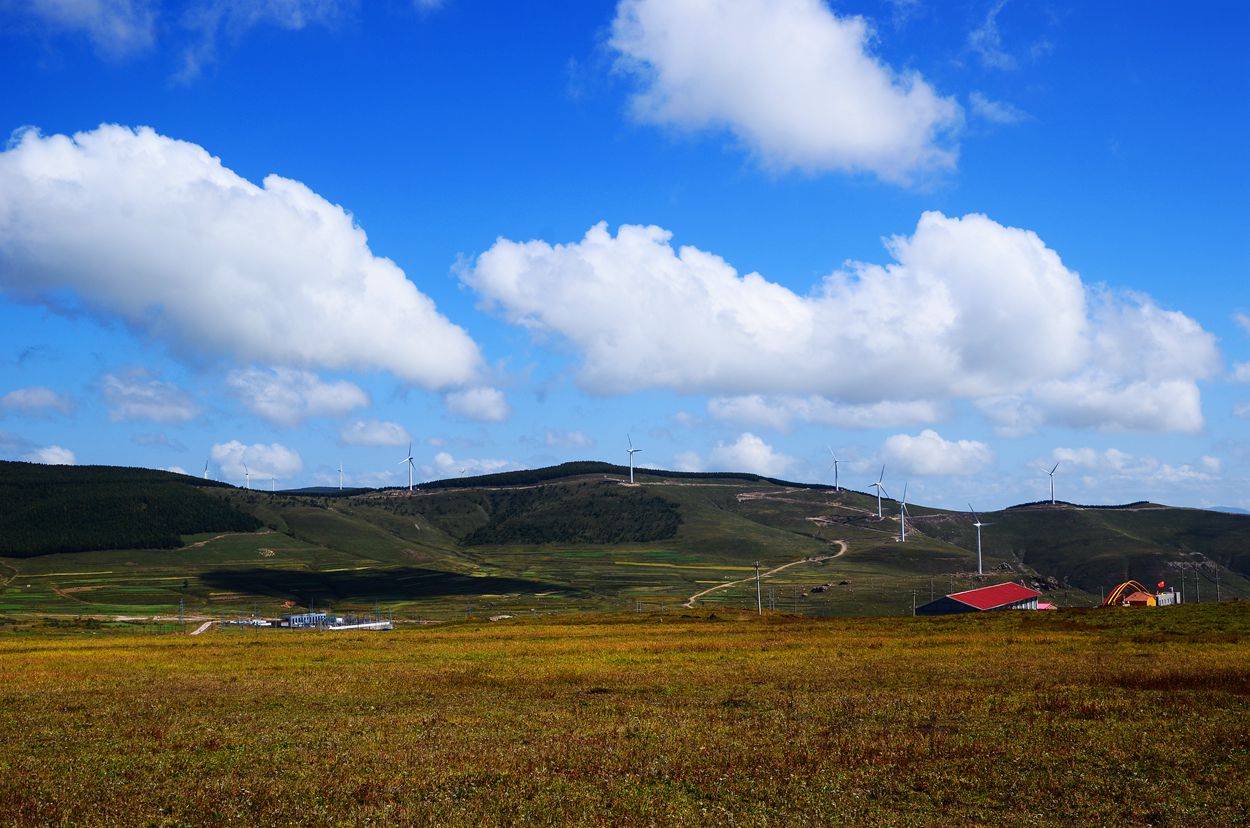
column 882, row 477
column 1052, row 471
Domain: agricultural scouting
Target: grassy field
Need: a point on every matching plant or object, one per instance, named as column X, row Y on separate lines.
column 1110, row 717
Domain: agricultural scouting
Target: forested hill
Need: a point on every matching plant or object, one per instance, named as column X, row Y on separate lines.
column 47, row 509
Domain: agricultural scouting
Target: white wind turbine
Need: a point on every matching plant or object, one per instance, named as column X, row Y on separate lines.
column 632, row 452
column 834, row 466
column 977, row 522
column 411, row 465
column 1052, row 482
column 879, row 488
column 340, row 477
column 205, row 469
column 273, row 484
column 247, row 477
column 902, row 516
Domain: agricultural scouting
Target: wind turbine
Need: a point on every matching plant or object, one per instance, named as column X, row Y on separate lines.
column 632, row 452
column 411, row 465
column 977, row 522
column 902, row 516
column 247, row 477
column 273, row 484
column 205, row 469
column 834, row 466
column 1052, row 482
column 879, row 487
column 340, row 477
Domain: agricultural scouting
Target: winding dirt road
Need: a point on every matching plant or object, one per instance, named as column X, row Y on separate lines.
column 841, row 551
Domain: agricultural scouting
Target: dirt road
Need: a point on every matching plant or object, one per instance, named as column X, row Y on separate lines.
column 841, row 551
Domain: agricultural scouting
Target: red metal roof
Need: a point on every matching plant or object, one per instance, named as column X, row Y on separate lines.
column 990, row 597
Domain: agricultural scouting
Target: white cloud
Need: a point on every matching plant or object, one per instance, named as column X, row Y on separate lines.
column 115, row 27
column 483, row 404
column 446, row 466
column 688, row 461
column 1243, row 320
column 158, row 233
column 791, row 80
column 287, row 396
column 137, row 395
column 375, row 433
column 263, row 461
column 746, row 454
column 987, row 42
column 35, row 400
column 930, row 453
column 996, row 112
column 969, row 309
column 176, row 470
column 778, row 412
column 1112, row 465
column 211, row 19
column 1242, row 410
column 1241, row 372
column 51, row 456
column 568, row 439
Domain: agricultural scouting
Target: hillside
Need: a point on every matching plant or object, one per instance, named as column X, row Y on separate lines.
column 566, row 537
column 50, row 509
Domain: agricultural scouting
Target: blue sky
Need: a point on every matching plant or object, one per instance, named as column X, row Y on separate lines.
column 965, row 240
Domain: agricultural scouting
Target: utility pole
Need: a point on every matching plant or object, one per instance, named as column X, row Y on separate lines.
column 759, row 604
column 1217, row 585
column 913, row 602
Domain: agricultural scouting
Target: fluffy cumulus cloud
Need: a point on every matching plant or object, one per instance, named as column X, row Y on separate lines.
column 1109, row 465
column 36, row 400
column 1241, row 372
column 133, row 225
column 967, row 310
column 137, row 395
column 484, row 404
column 375, row 433
column 51, row 456
column 930, row 453
column 779, row 412
column 263, row 462
column 793, row 81
column 445, row 465
column 568, row 439
column 748, row 453
column 287, row 396
column 115, row 27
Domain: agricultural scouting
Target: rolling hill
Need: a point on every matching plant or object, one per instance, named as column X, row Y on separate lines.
column 95, row 540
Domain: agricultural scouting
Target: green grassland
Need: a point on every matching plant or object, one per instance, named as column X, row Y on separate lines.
column 577, row 538
column 1078, row 717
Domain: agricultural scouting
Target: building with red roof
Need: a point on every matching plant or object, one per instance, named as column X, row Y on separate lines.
column 998, row 597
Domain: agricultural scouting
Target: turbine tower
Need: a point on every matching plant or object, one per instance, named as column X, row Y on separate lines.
column 902, row 516
column 834, row 466
column 205, row 469
column 411, row 465
column 273, row 484
column 247, row 477
column 632, row 452
column 879, row 487
column 1052, row 482
column 977, row 522
column 340, row 477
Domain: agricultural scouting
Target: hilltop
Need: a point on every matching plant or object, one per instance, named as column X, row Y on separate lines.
column 577, row 536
